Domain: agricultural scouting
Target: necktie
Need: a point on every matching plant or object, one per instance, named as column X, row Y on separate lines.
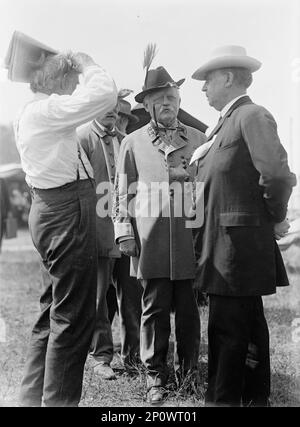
column 216, row 128
column 111, row 133
column 165, row 129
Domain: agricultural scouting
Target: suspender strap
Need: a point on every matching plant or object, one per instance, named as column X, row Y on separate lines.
column 83, row 165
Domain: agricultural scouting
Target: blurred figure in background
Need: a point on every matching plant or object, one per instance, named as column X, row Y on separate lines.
column 4, row 208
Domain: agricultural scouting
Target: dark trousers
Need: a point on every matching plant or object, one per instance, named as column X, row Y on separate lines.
column 112, row 303
column 63, row 228
column 159, row 298
column 234, row 323
column 129, row 295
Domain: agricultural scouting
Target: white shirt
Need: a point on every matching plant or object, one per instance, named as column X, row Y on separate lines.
column 46, row 129
column 227, row 106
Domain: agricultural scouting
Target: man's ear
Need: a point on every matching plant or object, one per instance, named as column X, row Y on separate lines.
column 64, row 82
column 146, row 104
column 49, row 83
column 229, row 78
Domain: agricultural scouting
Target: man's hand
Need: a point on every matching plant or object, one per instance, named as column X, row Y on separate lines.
column 82, row 60
column 129, row 247
column 281, row 229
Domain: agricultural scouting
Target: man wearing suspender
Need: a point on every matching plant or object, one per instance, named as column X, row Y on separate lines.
column 62, row 222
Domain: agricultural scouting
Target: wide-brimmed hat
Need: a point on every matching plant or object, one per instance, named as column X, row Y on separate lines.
column 225, row 57
column 22, row 56
column 125, row 110
column 157, row 79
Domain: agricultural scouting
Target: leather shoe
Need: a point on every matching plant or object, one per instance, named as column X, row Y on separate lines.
column 104, row 371
column 156, row 395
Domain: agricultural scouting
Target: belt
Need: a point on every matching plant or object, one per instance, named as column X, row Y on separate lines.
column 61, row 187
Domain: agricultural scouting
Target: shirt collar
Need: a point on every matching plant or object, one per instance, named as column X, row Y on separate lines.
column 230, row 104
column 103, row 128
column 40, row 95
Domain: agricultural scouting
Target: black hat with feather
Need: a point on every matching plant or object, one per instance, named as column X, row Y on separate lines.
column 155, row 79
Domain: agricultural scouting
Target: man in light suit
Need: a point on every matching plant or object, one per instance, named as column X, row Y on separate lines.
column 247, row 187
column 161, row 245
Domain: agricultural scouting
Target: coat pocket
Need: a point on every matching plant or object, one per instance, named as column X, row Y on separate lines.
column 225, row 145
column 239, row 219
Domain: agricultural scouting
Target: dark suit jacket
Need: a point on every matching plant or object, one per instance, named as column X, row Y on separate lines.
column 247, row 184
column 100, row 152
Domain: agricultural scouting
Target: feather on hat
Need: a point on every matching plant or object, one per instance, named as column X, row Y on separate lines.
column 155, row 79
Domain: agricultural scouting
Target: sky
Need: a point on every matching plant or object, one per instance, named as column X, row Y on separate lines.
column 116, row 32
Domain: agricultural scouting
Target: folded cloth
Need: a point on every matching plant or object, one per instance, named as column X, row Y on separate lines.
column 22, row 56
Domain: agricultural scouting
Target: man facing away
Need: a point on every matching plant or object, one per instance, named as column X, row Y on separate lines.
column 152, row 161
column 62, row 222
column 101, row 144
column 247, row 185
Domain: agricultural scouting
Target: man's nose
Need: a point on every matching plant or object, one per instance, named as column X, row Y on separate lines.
column 204, row 87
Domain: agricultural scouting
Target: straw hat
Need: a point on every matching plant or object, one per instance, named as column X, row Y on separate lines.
column 224, row 57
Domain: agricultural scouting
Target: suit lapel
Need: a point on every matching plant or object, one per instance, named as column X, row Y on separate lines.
column 241, row 101
column 97, row 129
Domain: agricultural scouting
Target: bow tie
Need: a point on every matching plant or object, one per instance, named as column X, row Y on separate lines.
column 111, row 133
column 165, row 129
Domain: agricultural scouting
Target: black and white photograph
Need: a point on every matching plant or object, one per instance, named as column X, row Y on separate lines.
column 149, row 206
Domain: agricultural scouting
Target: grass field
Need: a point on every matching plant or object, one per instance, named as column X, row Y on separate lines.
column 19, row 296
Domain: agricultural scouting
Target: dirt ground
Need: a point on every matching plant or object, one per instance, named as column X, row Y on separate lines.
column 19, row 297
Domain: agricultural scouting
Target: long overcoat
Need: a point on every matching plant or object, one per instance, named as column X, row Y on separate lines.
column 247, row 184
column 150, row 204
